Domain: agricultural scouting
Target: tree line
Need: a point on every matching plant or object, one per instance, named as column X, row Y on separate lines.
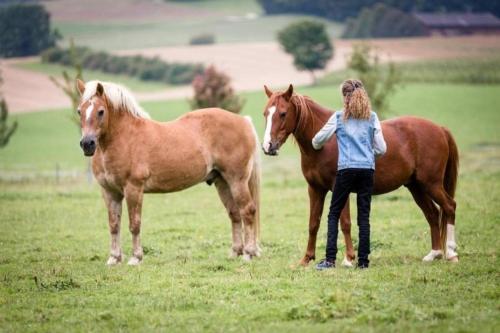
column 340, row 10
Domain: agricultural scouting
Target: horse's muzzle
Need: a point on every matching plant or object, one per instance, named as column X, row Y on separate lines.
column 88, row 145
column 273, row 149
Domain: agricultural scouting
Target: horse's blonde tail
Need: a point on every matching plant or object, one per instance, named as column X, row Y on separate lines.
column 254, row 182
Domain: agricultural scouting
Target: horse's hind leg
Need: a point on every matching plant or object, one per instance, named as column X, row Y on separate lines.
column 448, row 206
column 234, row 214
column 114, row 205
column 134, row 195
column 431, row 213
column 248, row 211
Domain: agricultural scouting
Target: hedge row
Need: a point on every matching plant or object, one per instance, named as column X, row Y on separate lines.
column 147, row 69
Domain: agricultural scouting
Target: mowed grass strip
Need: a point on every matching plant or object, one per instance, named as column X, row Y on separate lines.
column 55, row 243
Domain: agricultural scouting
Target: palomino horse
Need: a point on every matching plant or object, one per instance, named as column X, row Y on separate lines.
column 420, row 155
column 132, row 155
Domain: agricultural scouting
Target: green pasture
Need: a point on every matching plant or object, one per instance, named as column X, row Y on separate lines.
column 53, row 276
column 476, row 70
column 240, row 22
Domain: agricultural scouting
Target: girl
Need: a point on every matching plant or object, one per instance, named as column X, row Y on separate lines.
column 360, row 139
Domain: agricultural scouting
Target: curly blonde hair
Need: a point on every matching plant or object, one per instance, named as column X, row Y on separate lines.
column 356, row 101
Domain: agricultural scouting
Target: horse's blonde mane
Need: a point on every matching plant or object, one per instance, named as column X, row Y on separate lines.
column 119, row 97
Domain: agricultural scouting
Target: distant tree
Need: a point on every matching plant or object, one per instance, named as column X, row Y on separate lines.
column 6, row 130
column 382, row 21
column 379, row 82
column 213, row 88
column 25, row 30
column 308, row 43
column 68, row 86
column 339, row 10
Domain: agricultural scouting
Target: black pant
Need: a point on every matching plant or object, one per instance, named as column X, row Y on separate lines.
column 361, row 182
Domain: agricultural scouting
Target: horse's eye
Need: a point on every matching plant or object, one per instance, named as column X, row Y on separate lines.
column 282, row 114
column 100, row 113
column 79, row 112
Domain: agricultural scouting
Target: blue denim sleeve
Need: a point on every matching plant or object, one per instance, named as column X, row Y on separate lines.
column 325, row 133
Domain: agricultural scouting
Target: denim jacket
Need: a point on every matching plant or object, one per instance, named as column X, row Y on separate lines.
column 359, row 140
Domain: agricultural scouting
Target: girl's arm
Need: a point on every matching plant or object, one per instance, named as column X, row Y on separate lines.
column 325, row 133
column 379, row 145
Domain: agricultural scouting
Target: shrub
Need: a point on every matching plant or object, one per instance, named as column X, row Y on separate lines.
column 213, row 89
column 148, row 69
column 383, row 21
column 6, row 130
column 25, row 30
column 202, row 39
column 308, row 43
column 378, row 83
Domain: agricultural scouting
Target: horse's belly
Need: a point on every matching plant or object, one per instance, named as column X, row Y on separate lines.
column 174, row 180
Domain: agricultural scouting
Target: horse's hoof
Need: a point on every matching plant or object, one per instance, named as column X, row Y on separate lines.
column 433, row 255
column 112, row 260
column 134, row 261
column 304, row 261
column 234, row 254
column 347, row 263
column 453, row 259
column 247, row 257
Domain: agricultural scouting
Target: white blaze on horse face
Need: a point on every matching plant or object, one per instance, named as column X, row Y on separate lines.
column 269, row 124
column 88, row 113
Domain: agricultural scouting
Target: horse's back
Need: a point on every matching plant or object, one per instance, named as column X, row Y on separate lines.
column 228, row 137
column 416, row 147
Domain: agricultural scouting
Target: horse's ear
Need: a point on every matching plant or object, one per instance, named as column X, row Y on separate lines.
column 288, row 93
column 80, row 86
column 269, row 93
column 99, row 89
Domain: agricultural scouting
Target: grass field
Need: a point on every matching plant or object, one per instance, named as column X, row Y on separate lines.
column 229, row 21
column 475, row 70
column 55, row 243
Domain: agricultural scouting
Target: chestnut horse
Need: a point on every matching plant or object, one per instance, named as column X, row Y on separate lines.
column 132, row 155
column 420, row 155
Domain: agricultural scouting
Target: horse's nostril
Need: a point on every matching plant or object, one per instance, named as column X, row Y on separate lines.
column 92, row 143
column 81, row 143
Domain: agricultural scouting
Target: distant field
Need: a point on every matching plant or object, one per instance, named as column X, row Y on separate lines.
column 154, row 24
column 55, row 241
column 477, row 70
column 132, row 35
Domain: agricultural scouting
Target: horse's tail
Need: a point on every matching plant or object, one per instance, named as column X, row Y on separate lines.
column 254, row 182
column 449, row 181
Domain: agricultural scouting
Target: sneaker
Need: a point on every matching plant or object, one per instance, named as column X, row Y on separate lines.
column 362, row 265
column 325, row 264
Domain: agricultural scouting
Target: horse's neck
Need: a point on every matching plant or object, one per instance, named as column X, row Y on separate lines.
column 314, row 121
column 121, row 126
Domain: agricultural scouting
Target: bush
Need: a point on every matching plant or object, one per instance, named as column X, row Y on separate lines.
column 308, row 43
column 25, row 30
column 213, row 89
column 383, row 21
column 147, row 69
column 6, row 130
column 378, row 83
column 202, row 39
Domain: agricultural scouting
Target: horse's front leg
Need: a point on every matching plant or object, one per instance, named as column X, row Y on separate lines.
column 316, row 202
column 114, row 204
column 345, row 225
column 134, row 195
